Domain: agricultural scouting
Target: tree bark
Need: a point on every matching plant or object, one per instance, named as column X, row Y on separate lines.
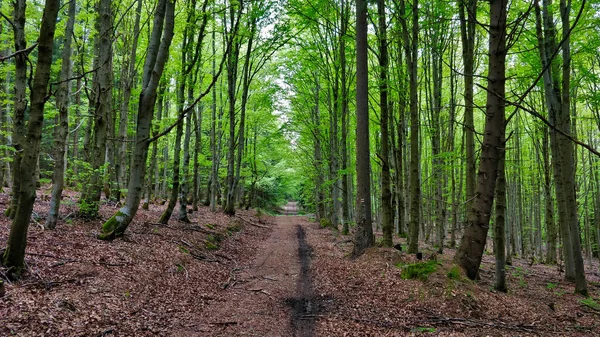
column 411, row 53
column 387, row 218
column 499, row 230
column 156, row 57
column 129, row 73
column 20, row 100
column 14, row 255
column 467, row 33
column 567, row 154
column 61, row 130
column 363, row 238
column 232, row 71
column 100, row 108
column 470, row 251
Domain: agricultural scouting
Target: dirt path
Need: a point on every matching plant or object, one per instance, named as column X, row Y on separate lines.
column 269, row 297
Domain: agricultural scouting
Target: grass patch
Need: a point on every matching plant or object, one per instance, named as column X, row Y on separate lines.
column 454, row 273
column 551, row 285
column 422, row 329
column 590, row 303
column 420, row 270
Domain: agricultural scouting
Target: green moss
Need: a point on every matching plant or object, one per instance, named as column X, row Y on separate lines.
column 420, row 270
column 325, row 223
column 454, row 273
column 212, row 241
column 591, row 303
column 234, row 227
column 211, row 246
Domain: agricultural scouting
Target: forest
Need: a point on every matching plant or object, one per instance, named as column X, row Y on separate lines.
column 465, row 131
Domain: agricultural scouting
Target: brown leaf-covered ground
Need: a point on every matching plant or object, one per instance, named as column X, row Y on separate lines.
column 264, row 276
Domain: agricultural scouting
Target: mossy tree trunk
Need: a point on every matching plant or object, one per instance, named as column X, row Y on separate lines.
column 100, row 108
column 156, row 57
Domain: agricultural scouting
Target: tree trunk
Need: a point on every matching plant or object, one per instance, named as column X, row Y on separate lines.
column 214, row 171
column 156, row 58
column 128, row 85
column 153, row 172
column 183, row 195
column 197, row 151
column 100, row 109
column 387, row 218
column 20, row 102
column 551, row 233
column 346, row 197
column 14, row 255
column 467, row 34
column 470, row 251
column 232, row 70
column 499, row 233
column 363, row 238
column 316, row 122
column 166, row 215
column 61, row 129
column 411, row 54
column 567, row 154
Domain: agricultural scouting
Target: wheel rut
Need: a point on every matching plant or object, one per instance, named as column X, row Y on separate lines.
column 303, row 306
column 272, row 296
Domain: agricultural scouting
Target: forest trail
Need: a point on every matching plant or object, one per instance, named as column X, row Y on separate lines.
column 271, row 296
column 291, row 208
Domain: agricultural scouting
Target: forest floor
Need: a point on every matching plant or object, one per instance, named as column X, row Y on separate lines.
column 258, row 275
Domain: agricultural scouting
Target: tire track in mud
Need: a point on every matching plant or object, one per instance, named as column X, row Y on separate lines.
column 304, row 306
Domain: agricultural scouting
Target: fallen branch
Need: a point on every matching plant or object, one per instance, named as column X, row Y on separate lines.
column 250, row 222
column 479, row 323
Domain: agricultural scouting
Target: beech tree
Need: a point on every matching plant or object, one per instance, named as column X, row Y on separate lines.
column 469, row 253
column 364, row 234
column 156, row 57
column 14, row 254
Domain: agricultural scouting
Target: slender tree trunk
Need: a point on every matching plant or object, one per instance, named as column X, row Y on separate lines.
column 100, row 107
column 128, row 85
column 346, row 197
column 411, row 51
column 214, row 172
column 467, row 33
column 61, row 130
column 156, row 57
column 197, row 151
column 153, row 169
column 319, row 197
column 363, row 238
column 166, row 215
column 14, row 255
column 20, row 101
column 567, row 153
column 499, row 230
column 246, row 80
column 470, row 251
column 232, row 72
column 387, row 218
column 554, row 103
column 183, row 195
